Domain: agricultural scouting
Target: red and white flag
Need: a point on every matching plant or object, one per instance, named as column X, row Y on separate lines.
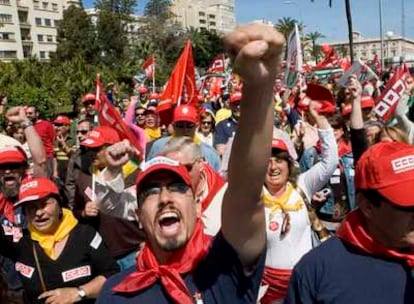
column 388, row 100
column 181, row 86
column 108, row 116
column 149, row 66
column 218, row 65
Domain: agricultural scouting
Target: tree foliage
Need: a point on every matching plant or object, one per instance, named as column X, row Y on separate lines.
column 76, row 36
column 316, row 49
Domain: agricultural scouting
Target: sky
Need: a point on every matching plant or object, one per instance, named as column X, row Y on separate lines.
column 317, row 16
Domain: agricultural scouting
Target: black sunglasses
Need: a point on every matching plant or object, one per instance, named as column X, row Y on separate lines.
column 12, row 166
column 208, row 123
column 83, row 132
column 58, row 125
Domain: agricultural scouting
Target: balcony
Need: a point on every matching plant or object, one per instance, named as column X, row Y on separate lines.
column 21, row 6
column 27, row 40
column 24, row 24
column 5, row 2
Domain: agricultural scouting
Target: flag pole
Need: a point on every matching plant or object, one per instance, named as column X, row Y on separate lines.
column 95, row 120
column 153, row 76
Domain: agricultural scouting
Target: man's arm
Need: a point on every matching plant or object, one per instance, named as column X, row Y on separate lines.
column 18, row 115
column 257, row 50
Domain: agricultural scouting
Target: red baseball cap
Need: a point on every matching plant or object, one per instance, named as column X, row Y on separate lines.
column 88, row 97
column 62, row 119
column 161, row 163
column 12, row 154
column 101, row 135
column 388, row 168
column 34, row 189
column 143, row 90
column 279, row 144
column 367, row 102
column 235, row 97
column 281, row 140
column 185, row 113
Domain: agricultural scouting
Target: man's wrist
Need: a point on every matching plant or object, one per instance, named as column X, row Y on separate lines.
column 25, row 124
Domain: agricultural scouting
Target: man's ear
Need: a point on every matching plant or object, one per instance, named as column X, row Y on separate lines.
column 366, row 207
column 137, row 217
column 198, row 207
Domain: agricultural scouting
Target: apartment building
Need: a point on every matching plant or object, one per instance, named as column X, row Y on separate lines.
column 216, row 15
column 29, row 27
column 393, row 47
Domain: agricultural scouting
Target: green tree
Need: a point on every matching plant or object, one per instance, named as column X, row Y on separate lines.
column 159, row 9
column 313, row 37
column 112, row 29
column 76, row 36
column 285, row 26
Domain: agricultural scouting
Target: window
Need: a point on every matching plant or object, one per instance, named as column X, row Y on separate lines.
column 4, row 2
column 40, row 38
column 211, row 16
column 54, row 6
column 56, row 23
column 36, row 4
column 45, row 5
column 42, row 54
column 38, row 21
column 201, row 14
column 6, row 36
column 5, row 18
column 212, row 24
column 48, row 22
column 49, row 38
column 8, row 54
column 202, row 21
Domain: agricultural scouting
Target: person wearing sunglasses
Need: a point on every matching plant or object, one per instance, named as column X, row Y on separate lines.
column 185, row 119
column 205, row 130
column 64, row 147
column 371, row 259
column 179, row 263
column 86, row 188
column 88, row 102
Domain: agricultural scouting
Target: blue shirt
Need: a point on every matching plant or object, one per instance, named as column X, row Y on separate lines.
column 224, row 130
column 219, row 278
column 336, row 272
column 209, row 154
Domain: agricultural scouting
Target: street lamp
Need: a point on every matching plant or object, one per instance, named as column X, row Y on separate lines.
column 389, row 35
column 381, row 33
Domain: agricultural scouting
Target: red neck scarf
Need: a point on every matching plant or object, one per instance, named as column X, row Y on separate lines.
column 182, row 261
column 214, row 183
column 6, row 208
column 353, row 231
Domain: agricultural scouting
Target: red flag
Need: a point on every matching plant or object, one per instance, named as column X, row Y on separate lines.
column 217, row 65
column 331, row 58
column 148, row 66
column 387, row 102
column 108, row 116
column 181, row 86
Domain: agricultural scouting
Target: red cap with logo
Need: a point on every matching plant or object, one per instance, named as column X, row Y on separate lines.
column 388, row 168
column 88, row 97
column 101, row 135
column 34, row 189
column 62, row 119
column 185, row 113
column 235, row 97
column 161, row 163
column 282, row 141
column 11, row 154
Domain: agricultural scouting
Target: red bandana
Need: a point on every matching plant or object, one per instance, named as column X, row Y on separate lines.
column 182, row 261
column 6, row 208
column 353, row 231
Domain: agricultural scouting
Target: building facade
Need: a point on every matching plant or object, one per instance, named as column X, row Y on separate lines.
column 215, row 15
column 394, row 47
column 29, row 27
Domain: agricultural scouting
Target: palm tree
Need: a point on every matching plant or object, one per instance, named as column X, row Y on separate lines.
column 285, row 26
column 313, row 36
column 349, row 22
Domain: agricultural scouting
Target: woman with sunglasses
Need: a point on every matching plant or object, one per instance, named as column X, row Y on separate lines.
column 205, row 130
column 59, row 260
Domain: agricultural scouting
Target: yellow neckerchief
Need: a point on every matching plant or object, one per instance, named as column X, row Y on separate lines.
column 47, row 241
column 196, row 139
column 152, row 134
column 282, row 202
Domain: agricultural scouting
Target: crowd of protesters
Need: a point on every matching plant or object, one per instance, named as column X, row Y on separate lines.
column 259, row 194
